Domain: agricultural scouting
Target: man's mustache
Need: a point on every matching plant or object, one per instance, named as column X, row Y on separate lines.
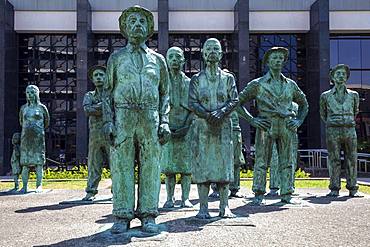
column 138, row 29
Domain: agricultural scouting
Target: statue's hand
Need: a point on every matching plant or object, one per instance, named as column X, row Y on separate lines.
column 179, row 133
column 294, row 124
column 164, row 133
column 109, row 133
column 260, row 123
column 216, row 117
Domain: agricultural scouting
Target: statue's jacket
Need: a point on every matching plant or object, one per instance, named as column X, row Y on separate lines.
column 269, row 103
column 91, row 99
column 211, row 145
column 337, row 114
column 176, row 154
column 144, row 90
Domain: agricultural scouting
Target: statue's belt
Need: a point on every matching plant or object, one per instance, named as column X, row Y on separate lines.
column 134, row 106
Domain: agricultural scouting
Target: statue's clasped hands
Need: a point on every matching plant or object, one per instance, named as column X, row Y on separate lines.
column 216, row 116
column 164, row 133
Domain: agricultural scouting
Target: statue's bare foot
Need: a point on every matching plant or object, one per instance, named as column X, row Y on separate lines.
column 169, row 204
column 120, row 226
column 214, row 194
column 355, row 194
column 226, row 213
column 203, row 214
column 149, row 225
column 23, row 190
column 39, row 189
column 89, row 197
column 236, row 194
column 257, row 200
column 333, row 193
column 186, row 204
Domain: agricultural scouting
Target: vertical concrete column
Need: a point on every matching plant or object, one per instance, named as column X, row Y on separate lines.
column 241, row 44
column 84, row 40
column 8, row 84
column 318, row 65
column 163, row 26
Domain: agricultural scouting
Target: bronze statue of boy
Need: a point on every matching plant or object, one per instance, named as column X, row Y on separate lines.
column 338, row 109
column 275, row 123
column 98, row 146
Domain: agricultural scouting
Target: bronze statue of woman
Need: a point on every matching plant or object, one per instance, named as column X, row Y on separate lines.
column 34, row 119
column 212, row 97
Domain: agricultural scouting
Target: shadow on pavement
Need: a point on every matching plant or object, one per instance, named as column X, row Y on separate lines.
column 326, row 199
column 105, row 238
column 48, row 207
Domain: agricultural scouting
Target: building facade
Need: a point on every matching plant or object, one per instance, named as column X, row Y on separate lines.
column 52, row 43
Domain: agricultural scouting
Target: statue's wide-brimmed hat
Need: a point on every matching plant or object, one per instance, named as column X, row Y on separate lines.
column 267, row 54
column 136, row 9
column 340, row 66
column 93, row 68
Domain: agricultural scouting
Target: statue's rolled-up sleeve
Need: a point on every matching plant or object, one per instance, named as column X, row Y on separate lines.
column 164, row 97
column 300, row 98
column 356, row 104
column 323, row 108
column 232, row 95
column 107, row 97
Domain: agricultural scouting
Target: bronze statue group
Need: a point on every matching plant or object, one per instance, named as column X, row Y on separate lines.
column 146, row 111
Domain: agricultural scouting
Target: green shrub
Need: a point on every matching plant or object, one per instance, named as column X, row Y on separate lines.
column 82, row 173
column 75, row 173
column 298, row 174
column 302, row 174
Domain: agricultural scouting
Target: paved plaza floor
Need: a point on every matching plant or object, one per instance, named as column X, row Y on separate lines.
column 40, row 220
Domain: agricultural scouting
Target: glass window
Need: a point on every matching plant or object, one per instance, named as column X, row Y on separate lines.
column 365, row 53
column 355, row 79
column 333, row 53
column 349, row 53
column 366, row 79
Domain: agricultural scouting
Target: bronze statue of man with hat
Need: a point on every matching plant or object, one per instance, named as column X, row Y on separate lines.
column 276, row 122
column 135, row 113
column 98, row 146
column 338, row 109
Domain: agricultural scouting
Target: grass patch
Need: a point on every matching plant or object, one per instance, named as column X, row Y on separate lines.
column 67, row 185
column 317, row 184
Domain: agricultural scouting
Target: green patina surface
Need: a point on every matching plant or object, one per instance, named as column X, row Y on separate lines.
column 135, row 112
column 212, row 97
column 34, row 119
column 98, row 146
column 338, row 109
column 177, row 154
column 276, row 122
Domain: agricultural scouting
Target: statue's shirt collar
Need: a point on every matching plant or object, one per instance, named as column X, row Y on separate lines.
column 268, row 77
column 334, row 90
column 142, row 47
